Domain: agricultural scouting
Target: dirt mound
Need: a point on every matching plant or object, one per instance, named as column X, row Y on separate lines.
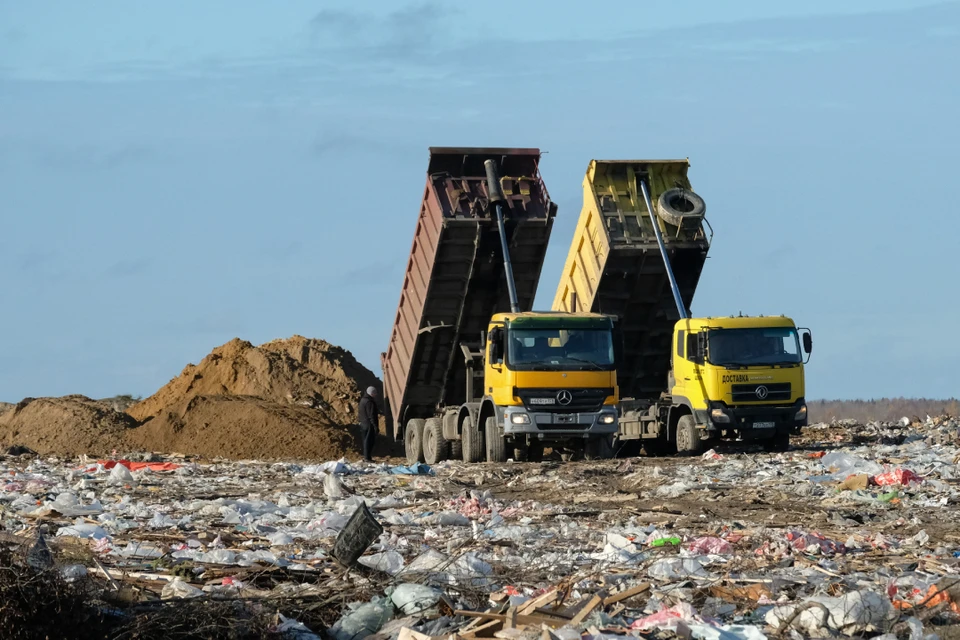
column 67, row 426
column 294, row 371
column 245, row 427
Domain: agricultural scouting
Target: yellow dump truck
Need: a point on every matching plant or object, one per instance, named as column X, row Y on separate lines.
column 637, row 254
column 471, row 371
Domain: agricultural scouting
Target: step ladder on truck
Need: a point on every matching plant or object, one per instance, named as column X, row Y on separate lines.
column 471, row 372
column 638, row 252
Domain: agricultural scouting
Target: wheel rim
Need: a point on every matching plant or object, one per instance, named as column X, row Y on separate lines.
column 682, row 441
column 428, row 448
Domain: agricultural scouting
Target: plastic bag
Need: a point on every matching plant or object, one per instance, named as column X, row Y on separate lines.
column 389, row 562
column 852, row 613
column 846, row 464
column 177, row 588
column 897, row 477
column 675, row 568
column 413, row 598
column 362, row 621
column 710, row 546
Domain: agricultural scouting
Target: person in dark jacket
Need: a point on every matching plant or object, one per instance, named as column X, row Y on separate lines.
column 369, row 422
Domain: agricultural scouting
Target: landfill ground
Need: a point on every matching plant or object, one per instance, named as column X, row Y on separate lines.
column 852, row 532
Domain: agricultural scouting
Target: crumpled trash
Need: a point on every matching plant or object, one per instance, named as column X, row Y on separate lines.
column 73, row 572
column 83, row 530
column 675, row 568
column 120, row 475
column 620, row 550
column 294, row 629
column 332, row 487
column 851, row 613
column 813, row 542
column 413, row 598
column 709, row 546
column 898, row 476
column 389, row 562
column 418, row 469
column 178, row 589
column 847, row 464
column 362, row 620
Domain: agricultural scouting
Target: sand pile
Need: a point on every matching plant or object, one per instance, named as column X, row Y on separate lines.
column 245, row 427
column 66, row 426
column 301, row 371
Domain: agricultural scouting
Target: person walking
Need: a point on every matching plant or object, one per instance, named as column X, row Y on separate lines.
column 369, row 421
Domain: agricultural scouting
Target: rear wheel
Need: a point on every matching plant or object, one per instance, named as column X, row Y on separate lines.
column 472, row 443
column 435, row 446
column 496, row 443
column 535, row 451
column 413, row 441
column 456, row 449
column 688, row 436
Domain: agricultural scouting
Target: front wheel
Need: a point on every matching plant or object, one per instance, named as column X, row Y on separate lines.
column 688, row 436
column 496, row 443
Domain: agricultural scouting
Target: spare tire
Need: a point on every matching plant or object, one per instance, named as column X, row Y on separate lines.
column 675, row 206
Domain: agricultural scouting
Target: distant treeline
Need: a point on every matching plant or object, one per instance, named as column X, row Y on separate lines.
column 886, row 409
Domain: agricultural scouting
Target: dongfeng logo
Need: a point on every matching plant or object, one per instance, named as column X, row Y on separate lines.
column 564, row 397
column 762, row 392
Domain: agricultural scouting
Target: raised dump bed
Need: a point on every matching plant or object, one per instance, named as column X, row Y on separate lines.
column 615, row 267
column 454, row 281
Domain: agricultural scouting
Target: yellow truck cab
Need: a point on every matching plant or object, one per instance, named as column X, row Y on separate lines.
column 739, row 377
column 551, row 378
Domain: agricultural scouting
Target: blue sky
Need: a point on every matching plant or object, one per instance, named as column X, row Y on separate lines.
column 176, row 174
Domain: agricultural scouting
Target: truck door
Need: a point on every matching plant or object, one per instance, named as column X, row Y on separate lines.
column 686, row 366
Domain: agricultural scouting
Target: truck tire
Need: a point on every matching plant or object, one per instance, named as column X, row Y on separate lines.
column 674, row 206
column 496, row 443
column 472, row 443
column 456, row 449
column 688, row 436
column 599, row 448
column 413, row 441
column 435, row 446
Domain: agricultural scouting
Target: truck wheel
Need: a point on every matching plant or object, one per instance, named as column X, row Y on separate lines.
column 599, row 448
column 471, row 442
column 676, row 205
column 435, row 446
column 778, row 443
column 496, row 443
column 413, row 441
column 688, row 436
column 456, row 450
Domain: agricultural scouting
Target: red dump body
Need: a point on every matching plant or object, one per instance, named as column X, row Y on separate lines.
column 454, row 281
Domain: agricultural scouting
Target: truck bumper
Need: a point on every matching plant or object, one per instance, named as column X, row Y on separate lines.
column 759, row 422
column 549, row 425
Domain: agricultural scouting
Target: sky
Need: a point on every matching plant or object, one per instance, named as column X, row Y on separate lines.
column 174, row 175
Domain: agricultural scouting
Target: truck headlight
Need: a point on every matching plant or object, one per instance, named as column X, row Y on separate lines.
column 801, row 414
column 608, row 419
column 520, row 418
column 718, row 415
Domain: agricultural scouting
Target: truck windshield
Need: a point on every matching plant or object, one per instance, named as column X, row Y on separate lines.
column 752, row 347
column 560, row 349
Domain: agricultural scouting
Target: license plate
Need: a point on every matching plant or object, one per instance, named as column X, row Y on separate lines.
column 764, row 425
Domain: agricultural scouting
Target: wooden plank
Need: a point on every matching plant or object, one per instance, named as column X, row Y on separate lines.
column 586, row 610
column 629, row 593
column 485, row 630
column 515, row 618
column 539, row 601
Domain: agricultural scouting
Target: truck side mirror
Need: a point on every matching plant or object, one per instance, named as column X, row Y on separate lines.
column 808, row 343
column 496, row 345
column 701, row 347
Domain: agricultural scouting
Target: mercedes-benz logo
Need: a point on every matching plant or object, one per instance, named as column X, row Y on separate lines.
column 564, row 397
column 762, row 392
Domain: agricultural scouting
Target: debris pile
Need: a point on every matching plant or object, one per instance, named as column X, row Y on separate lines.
column 731, row 545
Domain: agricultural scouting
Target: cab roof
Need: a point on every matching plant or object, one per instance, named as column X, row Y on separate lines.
column 735, row 322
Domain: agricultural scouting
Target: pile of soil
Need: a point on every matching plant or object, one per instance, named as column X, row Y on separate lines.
column 65, row 426
column 245, row 427
column 294, row 371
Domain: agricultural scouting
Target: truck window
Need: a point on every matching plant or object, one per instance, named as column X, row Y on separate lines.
column 556, row 349
column 680, row 336
column 692, row 349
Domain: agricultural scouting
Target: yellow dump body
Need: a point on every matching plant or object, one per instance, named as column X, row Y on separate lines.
column 614, row 265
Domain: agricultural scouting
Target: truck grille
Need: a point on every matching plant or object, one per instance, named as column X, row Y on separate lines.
column 549, row 400
column 779, row 391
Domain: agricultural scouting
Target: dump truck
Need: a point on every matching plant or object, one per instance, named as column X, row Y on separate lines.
column 470, row 370
column 638, row 253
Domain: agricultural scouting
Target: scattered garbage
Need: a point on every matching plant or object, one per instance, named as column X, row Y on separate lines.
column 859, row 540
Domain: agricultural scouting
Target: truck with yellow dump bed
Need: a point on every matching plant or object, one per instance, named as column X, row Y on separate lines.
column 471, row 371
column 638, row 252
